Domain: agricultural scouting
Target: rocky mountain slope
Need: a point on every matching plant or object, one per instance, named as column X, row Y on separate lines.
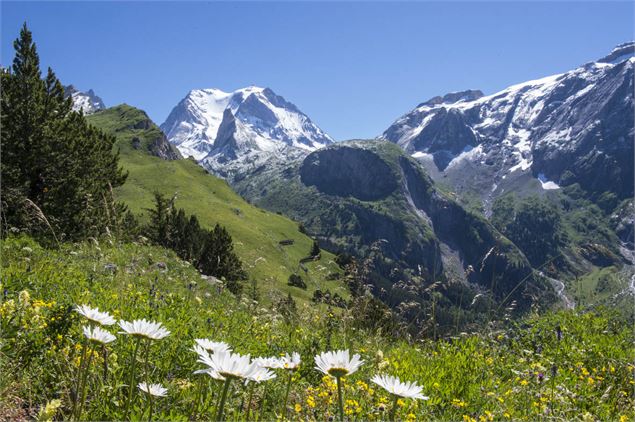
column 135, row 131
column 353, row 194
column 229, row 133
column 575, row 127
column 88, row 101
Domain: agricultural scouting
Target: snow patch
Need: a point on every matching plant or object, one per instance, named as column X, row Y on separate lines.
column 547, row 184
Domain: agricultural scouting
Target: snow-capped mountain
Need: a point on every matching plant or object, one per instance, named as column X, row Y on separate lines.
column 88, row 101
column 575, row 127
column 231, row 132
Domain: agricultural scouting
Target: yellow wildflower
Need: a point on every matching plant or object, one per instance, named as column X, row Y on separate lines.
column 298, row 408
column 458, row 403
column 49, row 410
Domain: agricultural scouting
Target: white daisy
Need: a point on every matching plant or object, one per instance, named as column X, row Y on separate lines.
column 230, row 365
column 291, row 362
column 211, row 373
column 338, row 363
column 393, row 385
column 156, row 390
column 260, row 374
column 98, row 335
column 213, row 346
column 93, row 314
column 143, row 328
column 271, row 363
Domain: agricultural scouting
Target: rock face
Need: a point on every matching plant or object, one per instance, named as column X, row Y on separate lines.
column 88, row 102
column 233, row 133
column 352, row 194
column 348, row 171
column 576, row 127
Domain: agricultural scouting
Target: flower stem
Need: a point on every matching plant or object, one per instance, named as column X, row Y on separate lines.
column 340, row 399
column 79, row 380
column 83, row 389
column 197, row 398
column 286, row 396
column 221, row 406
column 131, row 379
column 393, row 411
column 151, row 403
column 251, row 395
column 104, row 352
column 147, row 362
column 263, row 402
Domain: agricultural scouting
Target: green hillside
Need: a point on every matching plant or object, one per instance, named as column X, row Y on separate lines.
column 256, row 232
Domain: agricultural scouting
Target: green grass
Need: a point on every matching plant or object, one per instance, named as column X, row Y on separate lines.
column 606, row 286
column 256, row 232
column 503, row 373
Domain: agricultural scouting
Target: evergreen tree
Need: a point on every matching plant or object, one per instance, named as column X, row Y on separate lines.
column 218, row 257
column 57, row 171
column 158, row 228
column 315, row 249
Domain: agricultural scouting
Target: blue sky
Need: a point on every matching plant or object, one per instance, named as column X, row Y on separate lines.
column 352, row 67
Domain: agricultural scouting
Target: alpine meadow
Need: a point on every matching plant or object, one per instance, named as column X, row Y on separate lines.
column 474, row 261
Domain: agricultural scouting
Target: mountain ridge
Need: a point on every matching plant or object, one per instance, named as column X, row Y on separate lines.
column 547, row 130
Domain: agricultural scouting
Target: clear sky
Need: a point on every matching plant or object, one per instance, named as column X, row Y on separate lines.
column 352, row 67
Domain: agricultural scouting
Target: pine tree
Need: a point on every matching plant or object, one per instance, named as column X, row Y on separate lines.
column 218, row 257
column 159, row 225
column 57, row 171
column 315, row 249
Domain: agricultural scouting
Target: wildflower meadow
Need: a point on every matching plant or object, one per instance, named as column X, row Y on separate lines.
column 130, row 332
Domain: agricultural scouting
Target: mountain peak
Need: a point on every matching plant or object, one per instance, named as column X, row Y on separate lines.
column 620, row 53
column 253, row 119
column 454, row 97
column 88, row 102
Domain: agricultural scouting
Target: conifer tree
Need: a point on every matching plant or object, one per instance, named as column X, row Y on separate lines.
column 159, row 221
column 58, row 172
column 315, row 249
column 218, row 257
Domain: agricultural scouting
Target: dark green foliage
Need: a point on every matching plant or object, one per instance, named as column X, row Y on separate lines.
column 296, row 281
column 533, row 225
column 287, row 308
column 343, row 259
column 218, row 257
column 211, row 251
column 315, row 249
column 57, row 171
column 329, row 298
column 372, row 314
column 607, row 201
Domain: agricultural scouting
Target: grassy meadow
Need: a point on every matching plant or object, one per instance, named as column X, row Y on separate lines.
column 569, row 365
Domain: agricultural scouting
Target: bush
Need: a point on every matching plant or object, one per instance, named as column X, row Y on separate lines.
column 296, row 281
